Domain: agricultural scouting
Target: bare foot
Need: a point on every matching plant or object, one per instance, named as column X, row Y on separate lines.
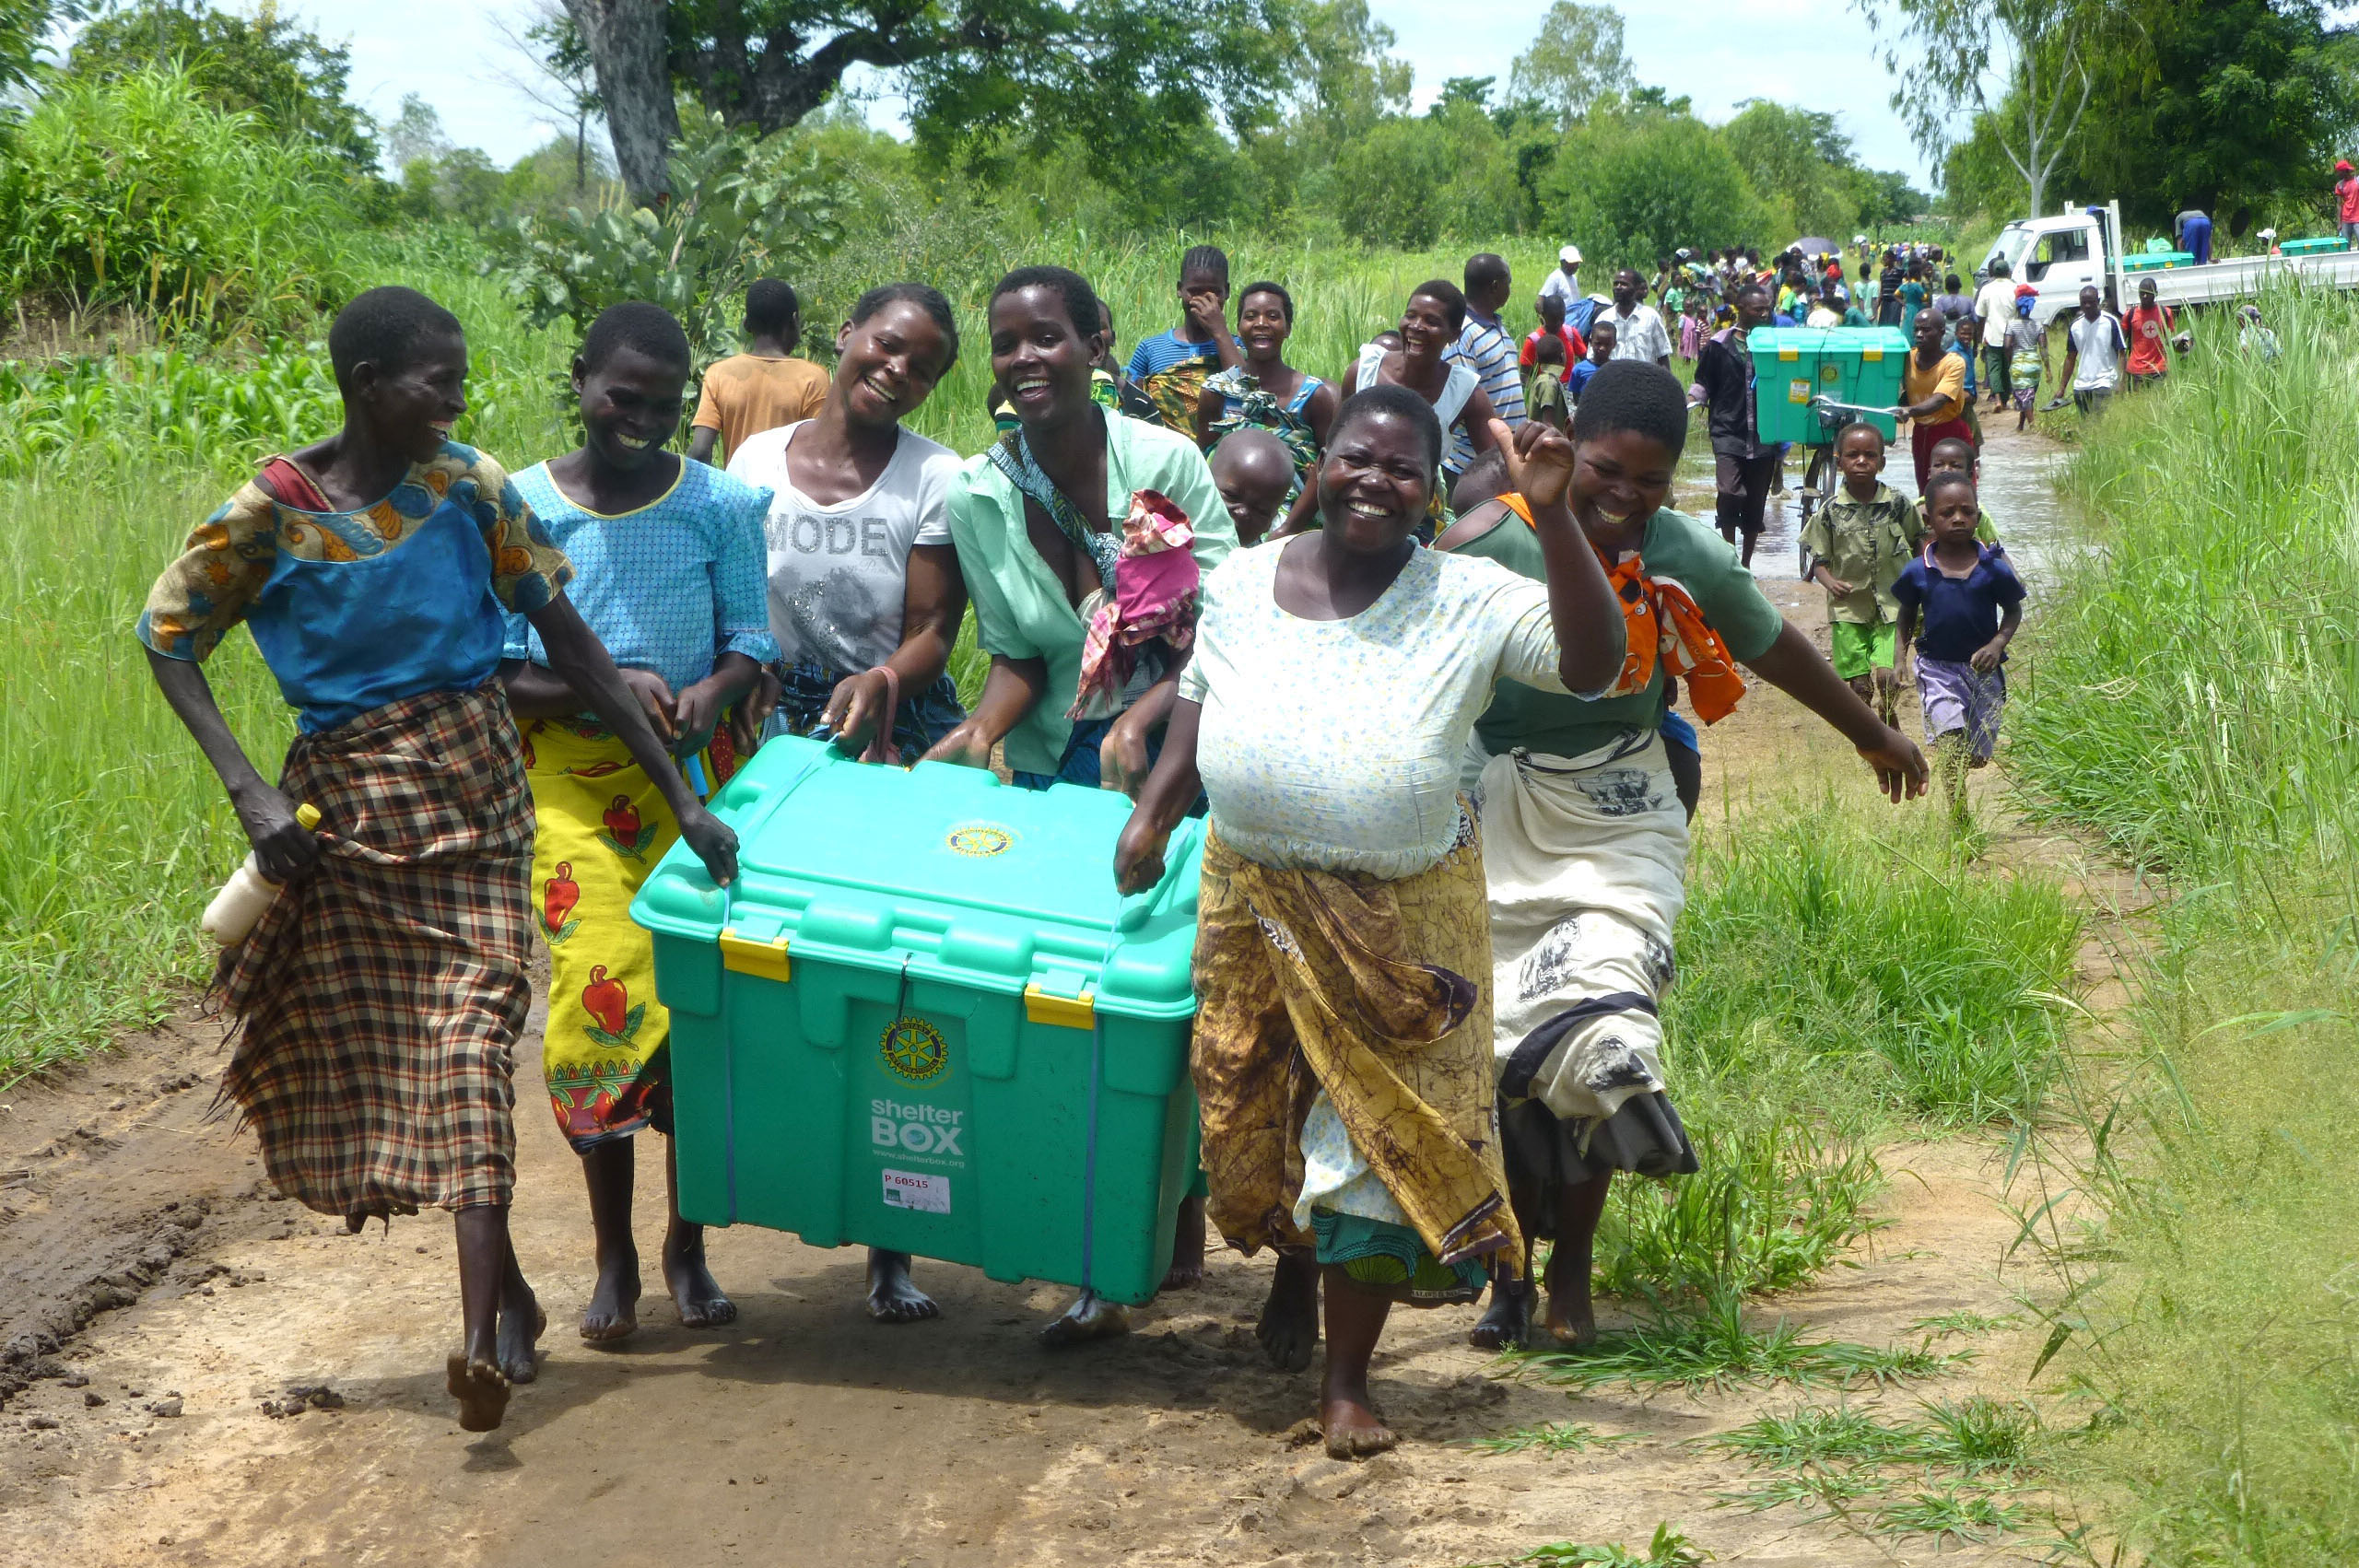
column 1289, row 1327
column 480, row 1389
column 1350, row 1425
column 697, row 1294
column 1091, row 1317
column 613, row 1312
column 1572, row 1320
column 1506, row 1323
column 891, row 1297
column 1187, row 1247
column 521, row 1323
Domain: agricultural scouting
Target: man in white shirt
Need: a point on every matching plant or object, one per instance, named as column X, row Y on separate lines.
column 2093, row 357
column 1640, row 332
column 1565, row 283
column 1994, row 307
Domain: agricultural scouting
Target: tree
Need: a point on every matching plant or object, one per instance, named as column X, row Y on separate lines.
column 25, row 27
column 1636, row 181
column 1945, row 52
column 416, row 135
column 1119, row 74
column 1796, row 157
column 1575, row 61
column 262, row 62
column 1350, row 77
column 562, row 82
column 2223, row 106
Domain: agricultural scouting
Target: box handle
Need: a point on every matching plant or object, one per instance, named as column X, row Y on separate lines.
column 1064, row 1011
column 743, row 955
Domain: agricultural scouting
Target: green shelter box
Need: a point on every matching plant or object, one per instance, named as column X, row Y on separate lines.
column 1792, row 366
column 922, row 1019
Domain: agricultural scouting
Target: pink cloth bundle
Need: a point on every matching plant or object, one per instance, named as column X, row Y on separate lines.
column 1155, row 593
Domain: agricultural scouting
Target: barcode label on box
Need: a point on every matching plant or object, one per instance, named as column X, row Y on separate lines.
column 911, row 1189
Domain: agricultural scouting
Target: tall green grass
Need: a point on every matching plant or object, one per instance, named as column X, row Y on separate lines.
column 2197, row 708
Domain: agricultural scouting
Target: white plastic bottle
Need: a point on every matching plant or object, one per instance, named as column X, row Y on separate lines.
column 248, row 893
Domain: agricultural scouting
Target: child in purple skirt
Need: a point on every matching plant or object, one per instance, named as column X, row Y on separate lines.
column 1960, row 605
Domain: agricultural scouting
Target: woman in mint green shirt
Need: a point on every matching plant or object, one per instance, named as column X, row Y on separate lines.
column 1037, row 521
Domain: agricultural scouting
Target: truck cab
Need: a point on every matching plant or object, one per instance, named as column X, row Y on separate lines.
column 2059, row 257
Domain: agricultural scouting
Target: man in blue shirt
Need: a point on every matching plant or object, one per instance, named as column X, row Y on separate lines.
column 1486, row 350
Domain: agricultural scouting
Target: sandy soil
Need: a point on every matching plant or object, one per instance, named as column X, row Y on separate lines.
column 158, row 1305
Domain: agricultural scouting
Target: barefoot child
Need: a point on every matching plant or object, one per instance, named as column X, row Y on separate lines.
column 1585, row 834
column 1960, row 605
column 669, row 562
column 1854, row 547
column 378, row 1001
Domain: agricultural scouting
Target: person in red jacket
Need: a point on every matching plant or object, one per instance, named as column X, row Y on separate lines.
column 2149, row 328
column 2346, row 193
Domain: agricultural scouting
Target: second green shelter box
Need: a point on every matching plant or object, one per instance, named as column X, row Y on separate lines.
column 922, row 1019
column 1794, row 366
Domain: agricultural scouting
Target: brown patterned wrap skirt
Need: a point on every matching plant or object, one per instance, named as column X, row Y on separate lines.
column 377, row 1004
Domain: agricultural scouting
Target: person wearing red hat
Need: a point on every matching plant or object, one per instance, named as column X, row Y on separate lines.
column 2346, row 189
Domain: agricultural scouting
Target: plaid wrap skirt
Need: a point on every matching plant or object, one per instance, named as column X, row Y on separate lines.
column 375, row 1005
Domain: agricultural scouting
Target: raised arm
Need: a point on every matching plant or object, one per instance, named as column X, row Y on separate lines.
column 1591, row 640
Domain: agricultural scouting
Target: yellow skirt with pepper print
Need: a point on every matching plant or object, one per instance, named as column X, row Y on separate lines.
column 603, row 828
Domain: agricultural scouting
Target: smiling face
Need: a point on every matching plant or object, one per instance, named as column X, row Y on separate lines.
column 887, row 364
column 1375, row 483
column 1038, row 357
column 411, row 407
column 1262, row 325
column 1859, row 454
column 1620, row 479
column 630, row 405
column 1424, row 327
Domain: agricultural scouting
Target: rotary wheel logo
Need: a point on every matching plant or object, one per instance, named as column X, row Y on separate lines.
column 980, row 839
column 914, row 1050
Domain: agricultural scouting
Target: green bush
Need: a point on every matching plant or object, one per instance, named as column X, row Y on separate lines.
column 741, row 208
column 134, row 192
column 1639, row 181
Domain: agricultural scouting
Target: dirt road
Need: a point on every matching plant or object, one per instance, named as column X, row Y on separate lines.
column 157, row 1306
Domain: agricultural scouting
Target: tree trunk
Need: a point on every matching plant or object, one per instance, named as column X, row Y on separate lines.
column 628, row 47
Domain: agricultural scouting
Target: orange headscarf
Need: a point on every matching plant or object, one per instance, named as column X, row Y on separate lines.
column 1663, row 621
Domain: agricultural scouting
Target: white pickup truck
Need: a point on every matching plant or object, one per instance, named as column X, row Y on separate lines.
column 2081, row 245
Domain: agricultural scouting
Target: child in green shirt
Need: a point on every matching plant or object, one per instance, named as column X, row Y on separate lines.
column 1854, row 547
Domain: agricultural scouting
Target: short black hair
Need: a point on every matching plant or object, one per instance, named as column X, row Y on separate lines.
column 1854, row 428
column 1550, row 350
column 1632, row 394
column 1387, row 399
column 1485, row 479
column 771, row 306
column 1947, row 479
column 1205, row 258
column 1483, row 269
column 1972, row 455
column 1446, row 292
column 635, row 323
column 926, row 298
column 1949, row 282
column 1081, row 301
column 1266, row 286
column 384, row 327
column 1754, row 288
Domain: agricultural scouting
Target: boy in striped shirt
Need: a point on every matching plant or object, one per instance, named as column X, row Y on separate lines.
column 1487, row 350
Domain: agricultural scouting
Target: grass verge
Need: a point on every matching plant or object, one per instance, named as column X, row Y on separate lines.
column 2196, row 707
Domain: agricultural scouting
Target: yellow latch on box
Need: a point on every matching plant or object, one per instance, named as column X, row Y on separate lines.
column 1784, row 353
column 1065, row 1012
column 742, row 955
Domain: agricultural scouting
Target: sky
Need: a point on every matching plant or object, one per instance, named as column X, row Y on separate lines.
column 1718, row 51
